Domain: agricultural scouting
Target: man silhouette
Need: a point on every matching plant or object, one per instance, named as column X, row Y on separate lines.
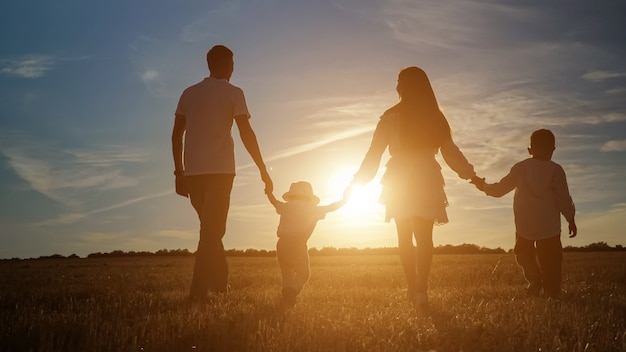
column 204, row 164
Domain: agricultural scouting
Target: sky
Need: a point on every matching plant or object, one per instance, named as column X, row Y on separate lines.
column 88, row 91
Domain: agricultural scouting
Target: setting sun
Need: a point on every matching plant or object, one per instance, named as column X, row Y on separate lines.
column 363, row 199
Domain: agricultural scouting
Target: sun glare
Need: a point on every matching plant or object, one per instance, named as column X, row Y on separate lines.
column 363, row 199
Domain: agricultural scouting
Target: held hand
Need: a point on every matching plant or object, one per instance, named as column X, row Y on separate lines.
column 357, row 181
column 181, row 187
column 573, row 230
column 347, row 192
column 269, row 185
column 478, row 182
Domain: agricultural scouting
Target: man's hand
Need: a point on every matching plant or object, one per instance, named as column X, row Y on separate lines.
column 573, row 230
column 181, row 187
column 269, row 185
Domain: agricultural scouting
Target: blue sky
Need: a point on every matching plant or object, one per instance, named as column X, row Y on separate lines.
column 88, row 90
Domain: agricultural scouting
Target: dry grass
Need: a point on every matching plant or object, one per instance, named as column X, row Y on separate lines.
column 350, row 304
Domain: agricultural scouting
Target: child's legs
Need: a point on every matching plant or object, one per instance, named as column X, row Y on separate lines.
column 292, row 258
column 301, row 267
column 285, row 262
column 550, row 254
column 423, row 232
column 526, row 257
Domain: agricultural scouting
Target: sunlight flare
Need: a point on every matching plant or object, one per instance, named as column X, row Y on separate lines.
column 363, row 199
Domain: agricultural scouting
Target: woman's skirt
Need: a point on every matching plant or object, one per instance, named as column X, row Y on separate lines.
column 414, row 188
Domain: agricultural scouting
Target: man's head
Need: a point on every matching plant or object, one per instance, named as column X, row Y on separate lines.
column 542, row 144
column 220, row 61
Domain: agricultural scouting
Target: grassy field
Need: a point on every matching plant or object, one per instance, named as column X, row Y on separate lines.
column 352, row 303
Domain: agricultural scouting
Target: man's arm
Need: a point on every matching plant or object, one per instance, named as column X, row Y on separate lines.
column 177, row 151
column 248, row 137
column 275, row 202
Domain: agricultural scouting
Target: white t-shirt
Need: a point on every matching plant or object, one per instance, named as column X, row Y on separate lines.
column 298, row 218
column 541, row 196
column 209, row 108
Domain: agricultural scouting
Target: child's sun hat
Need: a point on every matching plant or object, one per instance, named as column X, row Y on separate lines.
column 301, row 190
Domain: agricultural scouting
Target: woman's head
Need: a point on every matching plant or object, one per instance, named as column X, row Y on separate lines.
column 423, row 124
column 414, row 85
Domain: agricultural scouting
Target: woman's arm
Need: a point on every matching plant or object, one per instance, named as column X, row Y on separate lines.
column 456, row 160
column 371, row 161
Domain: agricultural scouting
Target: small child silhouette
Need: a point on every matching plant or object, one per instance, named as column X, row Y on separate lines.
column 298, row 217
column 541, row 195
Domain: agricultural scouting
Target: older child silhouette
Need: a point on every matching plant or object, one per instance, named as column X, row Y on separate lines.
column 541, row 196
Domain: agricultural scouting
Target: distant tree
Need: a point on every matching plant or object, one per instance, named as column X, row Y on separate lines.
column 465, row 248
column 598, row 247
column 176, row 252
column 328, row 251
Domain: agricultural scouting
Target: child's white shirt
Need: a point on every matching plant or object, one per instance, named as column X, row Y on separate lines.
column 541, row 195
column 298, row 218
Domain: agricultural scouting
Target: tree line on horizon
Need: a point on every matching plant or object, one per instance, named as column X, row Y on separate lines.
column 465, row 248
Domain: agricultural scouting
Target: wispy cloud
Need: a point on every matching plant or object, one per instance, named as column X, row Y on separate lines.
column 177, row 234
column 33, row 66
column 107, row 155
column 340, row 121
column 615, row 91
column 157, row 65
column 322, row 141
column 614, row 146
column 56, row 178
column 149, row 76
column 594, row 119
column 618, row 207
column 597, row 76
column 75, row 217
column 212, row 24
column 60, row 173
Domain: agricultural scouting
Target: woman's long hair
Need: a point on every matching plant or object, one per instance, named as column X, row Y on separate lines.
column 422, row 124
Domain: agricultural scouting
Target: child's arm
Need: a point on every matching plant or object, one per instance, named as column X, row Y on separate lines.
column 564, row 201
column 498, row 189
column 336, row 205
column 479, row 182
column 275, row 202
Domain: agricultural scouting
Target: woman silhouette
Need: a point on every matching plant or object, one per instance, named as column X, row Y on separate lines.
column 415, row 130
